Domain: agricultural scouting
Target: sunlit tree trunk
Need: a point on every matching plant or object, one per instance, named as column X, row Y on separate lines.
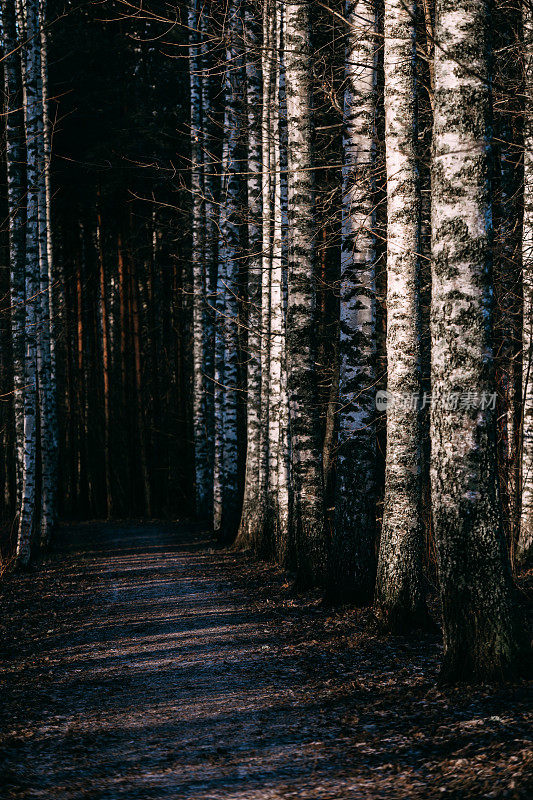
column 282, row 542
column 198, row 268
column 353, row 544
column 46, row 372
column 308, row 511
column 480, row 631
column 399, row 581
column 524, row 546
column 268, row 72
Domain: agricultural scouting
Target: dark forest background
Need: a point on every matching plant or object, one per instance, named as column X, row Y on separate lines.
column 118, row 104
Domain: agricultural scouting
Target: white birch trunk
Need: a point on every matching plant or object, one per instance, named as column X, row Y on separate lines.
column 252, row 501
column 47, row 389
column 399, row 580
column 480, row 626
column 210, row 249
column 268, row 70
column 353, row 544
column 307, row 512
column 229, row 244
column 283, row 543
column 15, row 194
column 32, row 110
column 198, row 267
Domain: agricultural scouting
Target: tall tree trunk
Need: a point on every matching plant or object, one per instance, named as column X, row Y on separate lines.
column 210, row 249
column 524, row 548
column 479, row 615
column 283, row 542
column 32, row 108
column 104, row 327
column 141, row 432
column 46, row 372
column 399, row 581
column 252, row 501
column 308, row 505
column 16, row 180
column 262, row 541
column 198, row 267
column 229, row 246
column 353, row 544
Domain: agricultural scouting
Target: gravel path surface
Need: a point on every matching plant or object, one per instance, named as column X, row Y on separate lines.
column 139, row 662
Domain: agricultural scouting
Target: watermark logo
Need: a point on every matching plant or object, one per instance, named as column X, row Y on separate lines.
column 452, row 401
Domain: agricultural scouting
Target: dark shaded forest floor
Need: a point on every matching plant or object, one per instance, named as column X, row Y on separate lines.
column 138, row 662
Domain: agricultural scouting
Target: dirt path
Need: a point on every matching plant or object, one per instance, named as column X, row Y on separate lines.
column 139, row 663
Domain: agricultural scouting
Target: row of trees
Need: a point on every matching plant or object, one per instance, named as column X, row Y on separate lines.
column 288, row 290
column 431, row 172
column 109, row 306
column 28, row 188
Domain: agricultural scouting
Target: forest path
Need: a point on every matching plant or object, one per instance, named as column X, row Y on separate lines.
column 138, row 662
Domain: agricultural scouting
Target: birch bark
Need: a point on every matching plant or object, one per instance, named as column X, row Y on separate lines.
column 307, row 512
column 16, row 180
column 198, row 266
column 479, row 617
column 48, row 300
column 251, row 513
column 31, row 280
column 229, row 245
column 46, row 374
column 353, row 543
column 399, row 580
column 210, row 246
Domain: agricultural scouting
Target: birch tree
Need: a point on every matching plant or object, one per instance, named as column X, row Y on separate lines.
column 307, row 504
column 479, row 618
column 198, row 266
column 399, row 580
column 227, row 285
column 46, row 373
column 352, row 569
column 283, row 542
column 525, row 540
column 268, row 72
column 31, row 282
column 252, row 501
column 16, row 180
column 210, row 247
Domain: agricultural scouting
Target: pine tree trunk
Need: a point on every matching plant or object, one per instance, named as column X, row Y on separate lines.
column 524, row 547
column 399, row 580
column 106, row 364
column 308, row 506
column 479, row 616
column 353, row 544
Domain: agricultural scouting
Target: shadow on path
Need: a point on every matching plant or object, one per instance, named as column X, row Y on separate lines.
column 139, row 663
